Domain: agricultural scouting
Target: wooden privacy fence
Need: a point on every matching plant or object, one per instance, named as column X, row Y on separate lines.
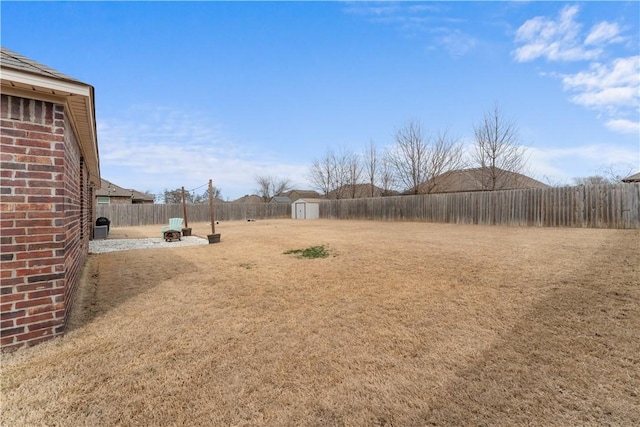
column 597, row 206
column 122, row 215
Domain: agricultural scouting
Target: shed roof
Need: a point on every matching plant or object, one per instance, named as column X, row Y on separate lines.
column 309, row 200
column 27, row 78
column 299, row 194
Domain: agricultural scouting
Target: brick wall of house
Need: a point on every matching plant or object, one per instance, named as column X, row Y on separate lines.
column 44, row 217
column 77, row 232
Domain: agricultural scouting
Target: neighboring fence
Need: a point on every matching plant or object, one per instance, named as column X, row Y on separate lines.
column 122, row 215
column 598, row 206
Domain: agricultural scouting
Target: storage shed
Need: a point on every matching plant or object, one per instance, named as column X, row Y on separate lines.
column 305, row 209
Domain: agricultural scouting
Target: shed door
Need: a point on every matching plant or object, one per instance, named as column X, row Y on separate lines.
column 301, row 211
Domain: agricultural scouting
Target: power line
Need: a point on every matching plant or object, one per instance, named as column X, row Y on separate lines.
column 203, row 185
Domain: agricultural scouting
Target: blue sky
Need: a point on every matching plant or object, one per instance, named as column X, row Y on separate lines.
column 192, row 91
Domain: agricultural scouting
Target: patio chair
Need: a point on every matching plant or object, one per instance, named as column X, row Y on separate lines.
column 175, row 226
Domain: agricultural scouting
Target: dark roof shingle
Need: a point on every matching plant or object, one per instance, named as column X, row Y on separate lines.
column 14, row 60
column 111, row 190
column 478, row 179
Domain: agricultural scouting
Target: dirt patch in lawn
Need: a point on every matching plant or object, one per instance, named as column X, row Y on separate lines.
column 406, row 324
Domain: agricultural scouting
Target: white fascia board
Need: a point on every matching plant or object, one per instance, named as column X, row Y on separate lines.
column 62, row 92
column 45, row 82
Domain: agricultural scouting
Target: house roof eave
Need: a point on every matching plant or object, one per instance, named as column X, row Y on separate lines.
column 77, row 97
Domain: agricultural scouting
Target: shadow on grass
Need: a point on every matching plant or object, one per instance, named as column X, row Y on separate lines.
column 110, row 279
column 572, row 360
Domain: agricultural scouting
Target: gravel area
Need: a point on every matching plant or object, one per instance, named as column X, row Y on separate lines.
column 111, row 245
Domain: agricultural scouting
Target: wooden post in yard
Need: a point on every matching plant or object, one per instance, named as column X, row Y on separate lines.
column 213, row 237
column 213, row 221
column 184, row 209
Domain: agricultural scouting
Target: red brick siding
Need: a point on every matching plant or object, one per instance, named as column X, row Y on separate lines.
column 40, row 209
column 77, row 236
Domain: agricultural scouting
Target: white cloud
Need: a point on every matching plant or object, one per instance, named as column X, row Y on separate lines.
column 421, row 20
column 157, row 148
column 456, row 42
column 624, row 126
column 604, row 32
column 557, row 40
column 607, row 86
column 395, row 10
column 561, row 165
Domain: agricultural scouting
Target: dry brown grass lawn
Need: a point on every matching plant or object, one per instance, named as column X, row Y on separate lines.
column 404, row 324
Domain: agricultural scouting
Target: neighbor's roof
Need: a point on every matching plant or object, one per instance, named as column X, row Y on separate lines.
column 109, row 189
column 27, row 78
column 281, row 199
column 249, row 199
column 357, row 191
column 462, row 180
column 632, row 178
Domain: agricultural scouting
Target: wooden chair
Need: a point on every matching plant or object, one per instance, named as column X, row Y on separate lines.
column 173, row 230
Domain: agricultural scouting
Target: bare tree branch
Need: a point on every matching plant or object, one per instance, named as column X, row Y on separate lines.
column 264, row 187
column 445, row 154
column 497, row 152
column 591, row 180
column 408, row 156
column 281, row 185
column 616, row 172
column 354, row 166
column 371, row 165
column 321, row 173
column 387, row 176
column 418, row 161
column 269, row 186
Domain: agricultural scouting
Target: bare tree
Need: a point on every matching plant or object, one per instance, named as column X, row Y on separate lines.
column 204, row 197
column 281, row 186
column 269, row 186
column 264, row 187
column 354, row 167
column 342, row 173
column 386, row 176
column 175, row 196
column 418, row 161
column 591, row 180
column 336, row 174
column 616, row 172
column 321, row 174
column 408, row 156
column 445, row 154
column 553, row 181
column 497, row 151
column 371, row 165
